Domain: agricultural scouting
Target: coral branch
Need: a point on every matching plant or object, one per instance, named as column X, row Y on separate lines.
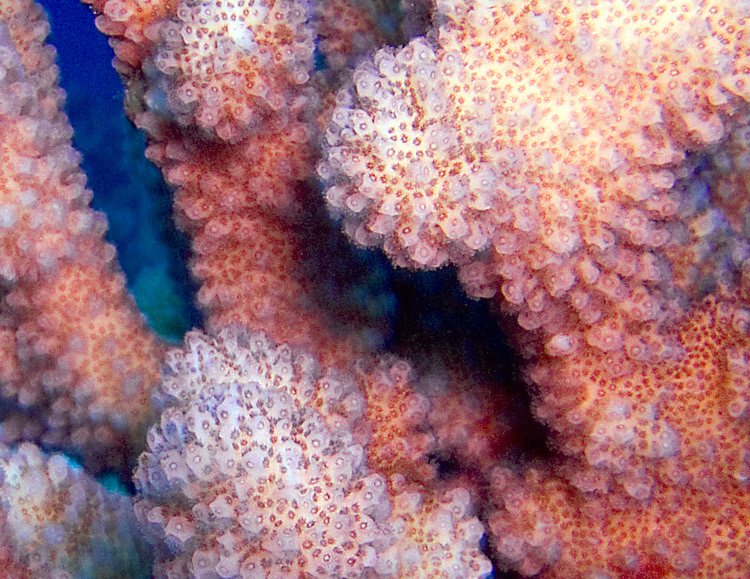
column 582, row 163
column 78, row 348
column 545, row 149
column 58, row 522
column 253, row 471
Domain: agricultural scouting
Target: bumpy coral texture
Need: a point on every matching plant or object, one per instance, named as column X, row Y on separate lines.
column 254, row 471
column 666, row 463
column 619, row 413
column 241, row 197
column 221, row 65
column 58, row 522
column 538, row 146
column 73, row 339
column 437, row 535
column 401, row 440
column 583, row 161
column 225, row 64
column 244, row 478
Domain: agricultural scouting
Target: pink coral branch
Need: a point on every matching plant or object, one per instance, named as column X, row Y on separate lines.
column 583, row 164
column 76, row 347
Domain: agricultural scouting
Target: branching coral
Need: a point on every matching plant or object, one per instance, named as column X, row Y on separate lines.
column 541, row 147
column 582, row 163
column 254, row 472
column 666, row 454
column 76, row 345
column 577, row 161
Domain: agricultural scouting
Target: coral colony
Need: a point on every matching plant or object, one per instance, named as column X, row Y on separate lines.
column 582, row 164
